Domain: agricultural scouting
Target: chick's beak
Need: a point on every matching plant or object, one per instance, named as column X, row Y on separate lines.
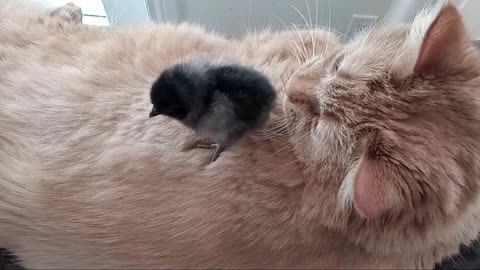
column 153, row 112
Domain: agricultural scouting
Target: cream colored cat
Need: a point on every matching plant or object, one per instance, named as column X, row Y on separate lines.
column 380, row 167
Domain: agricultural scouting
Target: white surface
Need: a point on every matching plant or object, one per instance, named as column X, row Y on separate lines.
column 93, row 11
column 93, row 20
column 471, row 16
column 126, row 12
column 360, row 22
column 234, row 17
column 403, row 11
column 89, row 7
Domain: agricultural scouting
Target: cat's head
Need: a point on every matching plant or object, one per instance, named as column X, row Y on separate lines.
column 391, row 120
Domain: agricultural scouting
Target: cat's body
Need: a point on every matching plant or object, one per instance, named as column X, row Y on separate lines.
column 87, row 182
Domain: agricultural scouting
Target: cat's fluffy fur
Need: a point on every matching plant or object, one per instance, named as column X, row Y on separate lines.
column 87, row 182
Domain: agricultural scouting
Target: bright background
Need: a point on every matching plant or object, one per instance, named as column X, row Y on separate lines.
column 234, row 17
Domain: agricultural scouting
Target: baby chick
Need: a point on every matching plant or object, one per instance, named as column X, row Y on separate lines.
column 221, row 102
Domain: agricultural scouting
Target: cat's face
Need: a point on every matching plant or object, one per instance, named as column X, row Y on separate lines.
column 392, row 120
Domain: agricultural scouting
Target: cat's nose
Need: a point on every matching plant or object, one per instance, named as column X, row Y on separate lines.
column 302, row 93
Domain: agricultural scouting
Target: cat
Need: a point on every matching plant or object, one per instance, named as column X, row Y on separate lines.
column 378, row 167
column 394, row 116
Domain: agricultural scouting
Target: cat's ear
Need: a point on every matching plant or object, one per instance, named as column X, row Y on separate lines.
column 375, row 187
column 444, row 42
column 436, row 42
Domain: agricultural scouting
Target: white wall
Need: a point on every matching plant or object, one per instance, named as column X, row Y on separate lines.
column 469, row 8
column 93, row 11
column 403, row 10
column 92, row 7
column 234, row 17
column 471, row 15
column 126, row 12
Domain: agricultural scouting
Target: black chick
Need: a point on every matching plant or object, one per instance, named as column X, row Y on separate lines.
column 220, row 102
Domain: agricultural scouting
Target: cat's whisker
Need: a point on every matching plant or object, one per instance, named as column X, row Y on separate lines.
column 269, row 135
column 304, row 50
column 300, row 55
column 291, row 144
column 280, row 119
column 329, row 25
column 311, row 28
column 298, row 32
column 265, row 134
column 300, row 13
column 249, row 15
column 281, row 130
column 290, row 162
column 292, row 41
column 347, row 38
column 264, row 137
column 277, row 124
column 331, row 30
column 295, row 53
column 275, row 128
column 247, row 27
column 284, row 84
column 275, row 131
column 316, row 26
column 278, row 132
column 280, row 125
column 298, row 52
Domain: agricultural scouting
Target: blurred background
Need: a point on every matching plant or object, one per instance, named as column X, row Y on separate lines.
column 235, row 17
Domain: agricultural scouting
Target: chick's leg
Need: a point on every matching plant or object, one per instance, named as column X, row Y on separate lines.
column 218, row 149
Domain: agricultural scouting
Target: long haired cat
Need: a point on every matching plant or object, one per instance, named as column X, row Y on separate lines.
column 378, row 167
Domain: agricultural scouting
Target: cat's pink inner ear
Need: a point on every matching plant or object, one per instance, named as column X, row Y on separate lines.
column 373, row 190
column 444, row 41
